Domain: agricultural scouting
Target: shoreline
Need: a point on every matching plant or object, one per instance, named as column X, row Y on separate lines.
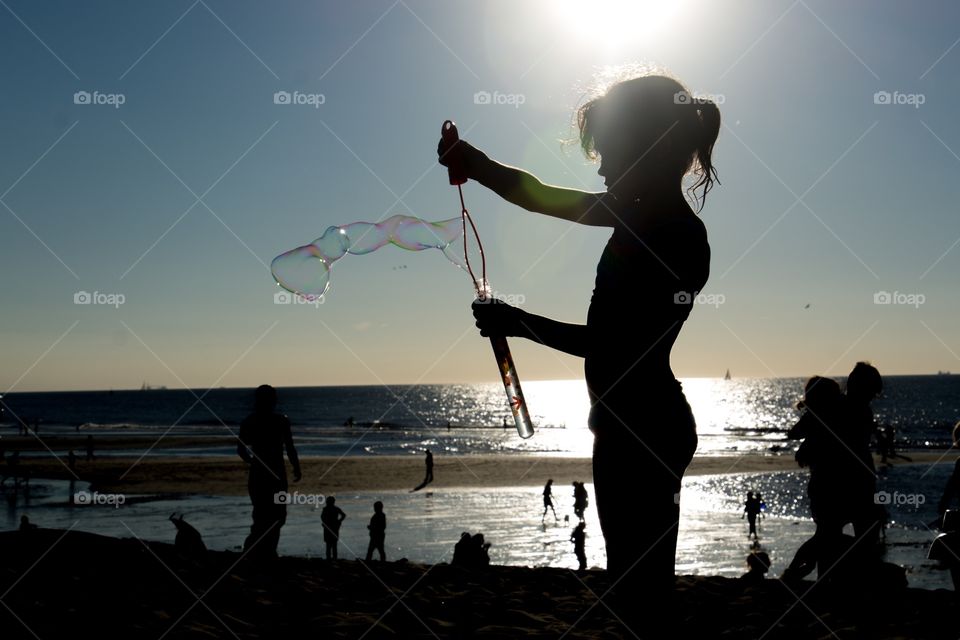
column 327, row 475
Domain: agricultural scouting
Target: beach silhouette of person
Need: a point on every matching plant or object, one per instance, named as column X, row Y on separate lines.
column 864, row 384
column 837, row 471
column 648, row 132
column 428, row 477
column 758, row 564
column 25, row 525
column 378, row 529
column 471, row 552
column 580, row 499
column 946, row 546
column 751, row 509
column 188, row 540
column 331, row 517
column 90, row 454
column 548, row 501
column 579, row 539
column 72, row 460
column 264, row 434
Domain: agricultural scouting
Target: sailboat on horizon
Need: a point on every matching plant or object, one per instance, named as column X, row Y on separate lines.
column 727, row 376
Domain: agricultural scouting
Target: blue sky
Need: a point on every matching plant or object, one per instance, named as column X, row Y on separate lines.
column 178, row 198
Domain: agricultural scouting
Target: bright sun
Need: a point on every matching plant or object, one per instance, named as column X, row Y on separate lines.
column 611, row 24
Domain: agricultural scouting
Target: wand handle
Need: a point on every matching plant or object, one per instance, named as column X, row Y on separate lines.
column 453, row 154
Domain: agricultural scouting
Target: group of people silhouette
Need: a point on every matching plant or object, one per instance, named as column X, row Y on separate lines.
column 580, row 501
column 836, row 428
column 263, row 438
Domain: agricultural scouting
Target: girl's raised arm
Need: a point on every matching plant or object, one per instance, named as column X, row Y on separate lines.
column 526, row 190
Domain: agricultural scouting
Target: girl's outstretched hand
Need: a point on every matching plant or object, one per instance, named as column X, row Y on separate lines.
column 472, row 157
column 497, row 318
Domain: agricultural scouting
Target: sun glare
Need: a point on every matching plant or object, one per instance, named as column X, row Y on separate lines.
column 613, row 24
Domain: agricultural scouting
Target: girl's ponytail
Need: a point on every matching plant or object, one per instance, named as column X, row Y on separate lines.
column 709, row 116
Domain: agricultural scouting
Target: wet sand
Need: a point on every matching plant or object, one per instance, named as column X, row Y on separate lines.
column 226, row 476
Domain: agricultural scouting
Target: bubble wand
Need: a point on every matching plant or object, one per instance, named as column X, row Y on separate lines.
column 501, row 350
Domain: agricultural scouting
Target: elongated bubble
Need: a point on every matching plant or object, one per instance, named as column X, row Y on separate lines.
column 306, row 270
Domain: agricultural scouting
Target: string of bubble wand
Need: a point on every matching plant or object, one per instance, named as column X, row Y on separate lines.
column 501, row 349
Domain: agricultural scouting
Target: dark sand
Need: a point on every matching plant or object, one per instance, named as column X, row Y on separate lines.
column 57, row 584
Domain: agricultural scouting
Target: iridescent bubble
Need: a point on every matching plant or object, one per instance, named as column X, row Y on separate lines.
column 306, row 270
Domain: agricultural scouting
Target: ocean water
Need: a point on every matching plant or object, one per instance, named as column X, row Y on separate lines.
column 733, row 416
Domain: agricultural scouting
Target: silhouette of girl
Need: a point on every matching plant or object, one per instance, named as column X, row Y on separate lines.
column 648, row 134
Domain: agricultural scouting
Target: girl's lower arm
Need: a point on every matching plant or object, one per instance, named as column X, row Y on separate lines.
column 562, row 336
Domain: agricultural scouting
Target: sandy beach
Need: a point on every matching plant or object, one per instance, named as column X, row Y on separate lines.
column 214, row 475
column 55, row 580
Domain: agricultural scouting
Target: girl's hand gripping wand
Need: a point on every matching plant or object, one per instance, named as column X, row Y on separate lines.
column 501, row 350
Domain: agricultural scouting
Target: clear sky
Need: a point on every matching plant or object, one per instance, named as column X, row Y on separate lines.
column 178, row 198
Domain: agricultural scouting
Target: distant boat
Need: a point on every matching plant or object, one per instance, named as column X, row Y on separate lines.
column 727, row 376
column 943, row 373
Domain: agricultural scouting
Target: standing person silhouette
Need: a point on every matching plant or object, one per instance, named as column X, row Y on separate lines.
column 751, row 508
column 548, row 501
column 264, row 435
column 378, row 529
column 580, row 500
column 579, row 538
column 864, row 384
column 648, row 133
column 429, row 462
column 331, row 517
